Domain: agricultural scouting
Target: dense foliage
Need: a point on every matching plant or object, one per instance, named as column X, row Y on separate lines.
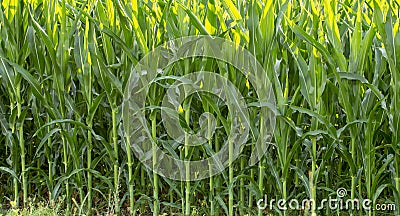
column 335, row 68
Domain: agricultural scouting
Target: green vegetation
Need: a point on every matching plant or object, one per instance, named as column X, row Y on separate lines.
column 33, row 211
column 335, row 68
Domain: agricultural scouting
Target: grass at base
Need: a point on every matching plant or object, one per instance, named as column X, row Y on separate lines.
column 32, row 210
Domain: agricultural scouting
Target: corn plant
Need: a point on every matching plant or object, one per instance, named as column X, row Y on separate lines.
column 334, row 69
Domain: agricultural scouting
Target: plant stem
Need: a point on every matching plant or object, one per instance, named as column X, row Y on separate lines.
column 89, row 166
column 116, row 164
column 15, row 164
column 212, row 205
column 230, row 209
column 312, row 181
column 130, row 177
column 156, row 203
column 241, row 192
column 261, row 181
column 217, row 148
column 187, row 168
column 50, row 161
column 65, row 157
column 22, row 147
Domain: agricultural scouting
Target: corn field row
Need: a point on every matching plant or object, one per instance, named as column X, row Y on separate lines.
column 335, row 71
